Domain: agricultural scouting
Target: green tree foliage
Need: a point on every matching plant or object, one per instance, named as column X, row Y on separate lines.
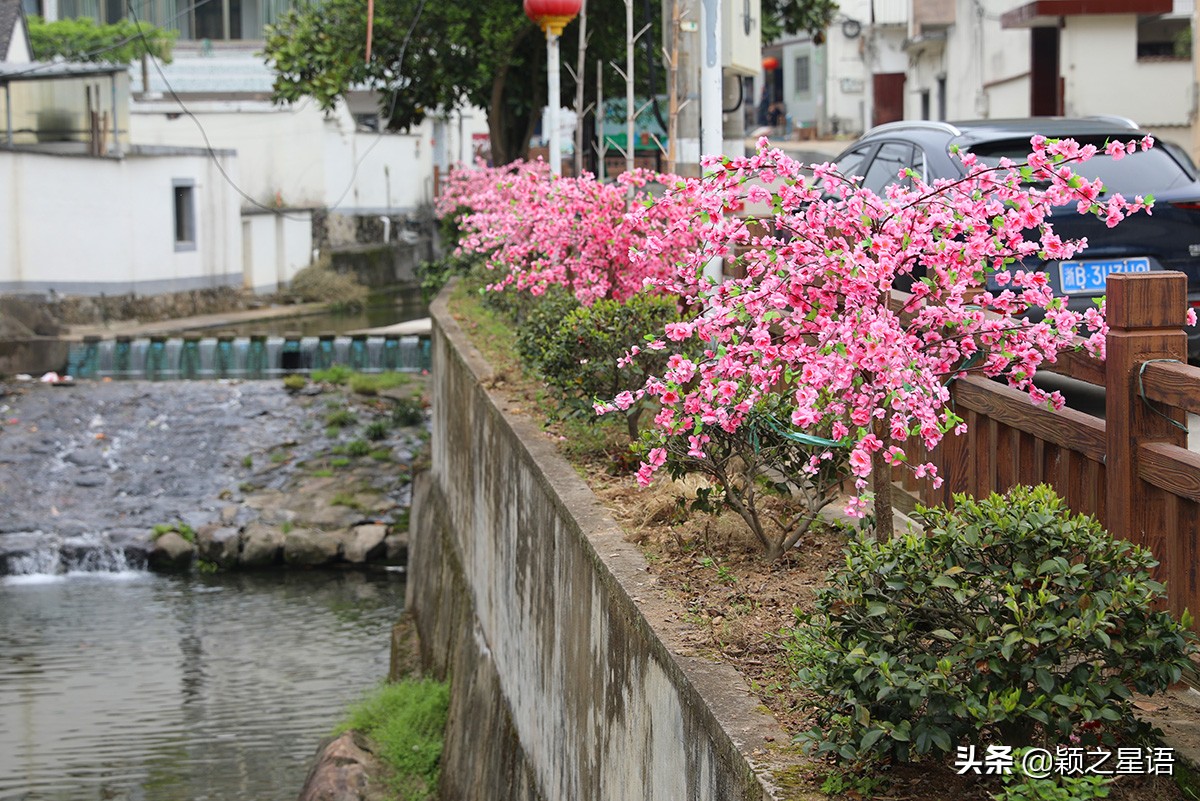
column 486, row 54
column 83, row 39
column 792, row 17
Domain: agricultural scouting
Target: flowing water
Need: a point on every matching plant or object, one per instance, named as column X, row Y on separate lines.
column 132, row 686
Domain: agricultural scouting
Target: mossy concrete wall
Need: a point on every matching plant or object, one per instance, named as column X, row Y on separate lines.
column 568, row 677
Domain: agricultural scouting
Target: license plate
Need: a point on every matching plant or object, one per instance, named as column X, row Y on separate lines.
column 1090, row 275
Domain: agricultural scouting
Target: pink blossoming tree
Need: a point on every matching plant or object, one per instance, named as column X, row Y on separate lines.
column 537, row 230
column 811, row 338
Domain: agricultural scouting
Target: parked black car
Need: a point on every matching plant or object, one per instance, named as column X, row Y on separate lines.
column 1169, row 239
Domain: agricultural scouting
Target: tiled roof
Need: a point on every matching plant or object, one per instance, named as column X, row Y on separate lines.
column 10, row 18
column 42, row 70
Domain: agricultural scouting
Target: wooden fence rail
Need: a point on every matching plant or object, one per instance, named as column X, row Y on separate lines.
column 1132, row 470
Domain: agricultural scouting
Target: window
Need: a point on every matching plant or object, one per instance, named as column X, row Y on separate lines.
column 851, row 164
column 185, row 214
column 885, row 168
column 215, row 20
column 1141, row 173
column 803, row 75
column 1164, row 37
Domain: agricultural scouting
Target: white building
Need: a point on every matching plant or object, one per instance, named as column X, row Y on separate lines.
column 883, row 60
column 279, row 166
column 86, row 211
column 1015, row 58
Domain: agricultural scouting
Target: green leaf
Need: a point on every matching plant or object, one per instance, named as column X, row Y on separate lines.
column 869, row 739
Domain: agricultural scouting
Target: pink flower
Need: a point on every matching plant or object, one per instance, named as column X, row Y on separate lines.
column 860, row 462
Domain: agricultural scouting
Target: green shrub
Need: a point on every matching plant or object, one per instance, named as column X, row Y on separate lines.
column 376, row 430
column 374, row 383
column 338, row 375
column 408, row 722
column 1006, row 621
column 1052, row 788
column 180, row 528
column 581, row 356
column 357, row 447
column 537, row 327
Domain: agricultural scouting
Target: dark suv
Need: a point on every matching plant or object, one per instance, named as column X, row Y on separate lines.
column 1169, row 239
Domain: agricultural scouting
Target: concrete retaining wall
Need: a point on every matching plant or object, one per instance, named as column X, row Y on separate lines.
column 567, row 680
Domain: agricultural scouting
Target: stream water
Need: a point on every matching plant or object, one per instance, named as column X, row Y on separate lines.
column 138, row 687
column 129, row 686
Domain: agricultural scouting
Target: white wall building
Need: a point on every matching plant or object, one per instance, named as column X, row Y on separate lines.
column 1014, row 58
column 150, row 221
column 968, row 59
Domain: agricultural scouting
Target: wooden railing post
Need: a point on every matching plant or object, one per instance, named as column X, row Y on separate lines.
column 1145, row 317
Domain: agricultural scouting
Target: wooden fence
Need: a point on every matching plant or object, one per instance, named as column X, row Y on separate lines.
column 1132, row 470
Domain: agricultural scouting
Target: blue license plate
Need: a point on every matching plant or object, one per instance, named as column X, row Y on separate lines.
column 1090, row 275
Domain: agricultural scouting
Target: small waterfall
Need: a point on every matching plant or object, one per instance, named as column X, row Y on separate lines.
column 50, row 556
column 257, row 356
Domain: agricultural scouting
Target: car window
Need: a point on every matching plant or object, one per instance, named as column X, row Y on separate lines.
column 1140, row 173
column 891, row 158
column 851, row 164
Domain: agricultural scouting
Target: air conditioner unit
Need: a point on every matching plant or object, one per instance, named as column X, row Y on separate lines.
column 741, row 36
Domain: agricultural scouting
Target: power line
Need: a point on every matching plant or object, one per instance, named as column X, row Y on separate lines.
column 204, row 134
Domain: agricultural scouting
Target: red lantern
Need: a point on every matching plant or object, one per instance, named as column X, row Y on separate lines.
column 770, row 63
column 552, row 15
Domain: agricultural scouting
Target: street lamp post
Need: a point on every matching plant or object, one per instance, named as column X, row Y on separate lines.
column 552, row 16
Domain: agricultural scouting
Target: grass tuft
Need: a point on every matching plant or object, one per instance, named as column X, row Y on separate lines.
column 408, row 721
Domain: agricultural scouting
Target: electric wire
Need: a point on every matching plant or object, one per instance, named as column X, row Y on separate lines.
column 212, row 154
column 88, row 56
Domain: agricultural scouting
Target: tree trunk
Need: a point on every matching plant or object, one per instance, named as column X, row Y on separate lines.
column 509, row 132
column 881, row 480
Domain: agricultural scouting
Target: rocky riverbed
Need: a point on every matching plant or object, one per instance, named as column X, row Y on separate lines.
column 216, row 474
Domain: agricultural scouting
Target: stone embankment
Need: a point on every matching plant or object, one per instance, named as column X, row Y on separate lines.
column 570, row 679
column 239, row 475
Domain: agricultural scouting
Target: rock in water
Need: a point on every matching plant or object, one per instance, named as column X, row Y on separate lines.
column 365, row 543
column 171, row 552
column 262, row 546
column 308, row 547
column 219, row 544
column 346, row 770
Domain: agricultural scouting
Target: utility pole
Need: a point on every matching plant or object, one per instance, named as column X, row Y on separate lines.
column 712, row 128
column 580, row 111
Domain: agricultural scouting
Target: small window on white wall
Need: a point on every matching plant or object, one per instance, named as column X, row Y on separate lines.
column 1167, row 37
column 803, row 75
column 185, row 213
